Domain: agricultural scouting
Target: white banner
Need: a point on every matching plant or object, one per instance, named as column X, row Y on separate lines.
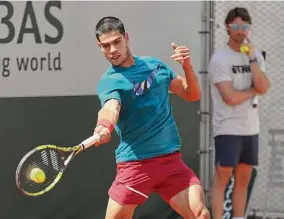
column 50, row 48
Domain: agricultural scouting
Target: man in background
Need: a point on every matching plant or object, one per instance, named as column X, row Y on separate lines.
column 236, row 78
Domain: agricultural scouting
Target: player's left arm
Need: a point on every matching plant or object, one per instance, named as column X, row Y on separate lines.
column 186, row 87
column 260, row 80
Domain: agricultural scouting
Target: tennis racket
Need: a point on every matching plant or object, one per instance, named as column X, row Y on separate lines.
column 42, row 167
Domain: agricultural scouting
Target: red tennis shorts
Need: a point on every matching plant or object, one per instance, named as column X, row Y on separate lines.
column 166, row 175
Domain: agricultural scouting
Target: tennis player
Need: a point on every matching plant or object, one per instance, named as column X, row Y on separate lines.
column 236, row 78
column 135, row 101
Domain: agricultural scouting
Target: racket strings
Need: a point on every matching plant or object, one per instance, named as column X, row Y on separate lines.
column 49, row 161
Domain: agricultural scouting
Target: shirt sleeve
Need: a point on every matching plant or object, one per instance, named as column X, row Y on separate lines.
column 109, row 88
column 219, row 72
column 170, row 72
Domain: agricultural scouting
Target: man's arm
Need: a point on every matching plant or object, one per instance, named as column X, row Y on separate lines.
column 233, row 97
column 107, row 119
column 221, row 78
column 186, row 87
column 260, row 81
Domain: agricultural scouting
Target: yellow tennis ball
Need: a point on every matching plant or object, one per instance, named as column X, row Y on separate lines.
column 37, row 175
column 244, row 49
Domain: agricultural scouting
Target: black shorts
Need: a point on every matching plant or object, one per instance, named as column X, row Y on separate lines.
column 231, row 150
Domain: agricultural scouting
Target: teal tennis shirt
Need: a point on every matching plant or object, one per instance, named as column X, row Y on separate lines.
column 146, row 126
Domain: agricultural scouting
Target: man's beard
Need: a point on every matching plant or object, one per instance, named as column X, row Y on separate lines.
column 239, row 39
column 125, row 59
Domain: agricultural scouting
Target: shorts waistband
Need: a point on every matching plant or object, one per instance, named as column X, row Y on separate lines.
column 151, row 158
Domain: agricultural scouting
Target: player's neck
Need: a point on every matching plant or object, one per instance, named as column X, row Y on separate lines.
column 129, row 62
column 234, row 45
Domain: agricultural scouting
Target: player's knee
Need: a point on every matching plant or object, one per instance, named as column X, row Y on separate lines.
column 119, row 211
column 205, row 214
column 119, row 215
column 201, row 212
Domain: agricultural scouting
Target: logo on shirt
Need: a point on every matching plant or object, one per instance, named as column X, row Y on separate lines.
column 241, row 69
column 144, row 86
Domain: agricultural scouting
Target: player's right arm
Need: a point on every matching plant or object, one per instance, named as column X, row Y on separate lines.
column 107, row 119
column 109, row 93
column 220, row 74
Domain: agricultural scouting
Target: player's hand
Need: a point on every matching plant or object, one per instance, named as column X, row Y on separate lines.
column 251, row 53
column 104, row 134
column 181, row 54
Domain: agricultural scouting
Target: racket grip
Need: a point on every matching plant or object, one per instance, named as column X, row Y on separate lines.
column 255, row 102
column 90, row 141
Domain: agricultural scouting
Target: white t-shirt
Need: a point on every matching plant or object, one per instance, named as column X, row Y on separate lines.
column 242, row 119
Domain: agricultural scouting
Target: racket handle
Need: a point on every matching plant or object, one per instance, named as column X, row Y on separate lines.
column 255, row 102
column 90, row 141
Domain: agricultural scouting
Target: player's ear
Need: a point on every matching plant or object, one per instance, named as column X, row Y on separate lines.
column 126, row 37
column 100, row 45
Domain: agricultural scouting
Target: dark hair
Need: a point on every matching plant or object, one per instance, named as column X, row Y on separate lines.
column 238, row 12
column 109, row 24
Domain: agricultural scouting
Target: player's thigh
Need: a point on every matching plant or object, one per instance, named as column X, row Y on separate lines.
column 177, row 176
column 181, row 188
column 228, row 149
column 118, row 211
column 249, row 153
column 133, row 183
column 190, row 203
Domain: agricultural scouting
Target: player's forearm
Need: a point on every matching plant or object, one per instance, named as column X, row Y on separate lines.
column 238, row 97
column 107, row 119
column 192, row 89
column 260, row 80
column 109, row 112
